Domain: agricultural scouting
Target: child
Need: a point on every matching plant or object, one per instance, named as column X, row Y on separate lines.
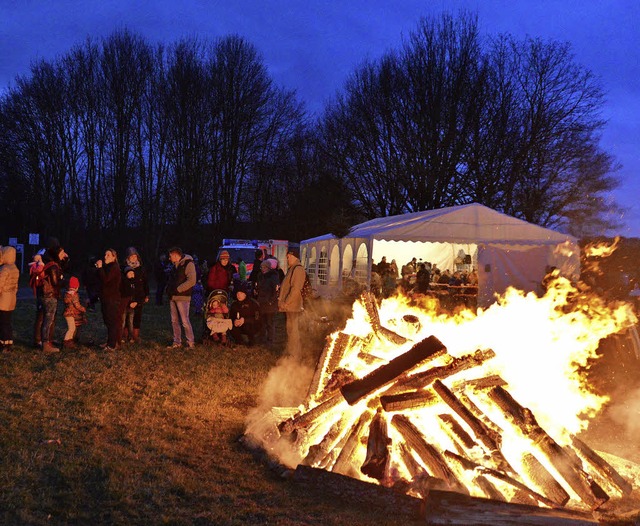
column 74, row 313
column 220, row 311
column 134, row 297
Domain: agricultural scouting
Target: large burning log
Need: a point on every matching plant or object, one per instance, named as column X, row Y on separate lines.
column 477, row 468
column 407, row 401
column 344, row 463
column 601, row 467
column 424, row 378
column 370, row 304
column 428, row 454
column 589, row 492
column 485, row 435
column 329, row 360
column 385, row 374
column 377, row 459
column 544, row 480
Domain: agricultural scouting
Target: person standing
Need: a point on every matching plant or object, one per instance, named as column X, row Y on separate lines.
column 290, row 301
column 110, row 278
column 36, row 277
column 9, row 275
column 221, row 273
column 268, row 287
column 179, row 290
column 73, row 313
column 51, row 285
column 140, row 290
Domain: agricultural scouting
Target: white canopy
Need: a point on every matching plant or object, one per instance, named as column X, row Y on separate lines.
column 505, row 250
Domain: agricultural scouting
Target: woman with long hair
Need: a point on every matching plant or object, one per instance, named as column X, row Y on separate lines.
column 110, row 277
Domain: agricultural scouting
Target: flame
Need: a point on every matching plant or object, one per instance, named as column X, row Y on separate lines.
column 542, row 348
column 601, row 248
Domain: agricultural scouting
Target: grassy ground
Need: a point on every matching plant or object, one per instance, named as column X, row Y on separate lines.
column 143, row 435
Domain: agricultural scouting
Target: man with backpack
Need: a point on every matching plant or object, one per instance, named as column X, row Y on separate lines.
column 291, row 301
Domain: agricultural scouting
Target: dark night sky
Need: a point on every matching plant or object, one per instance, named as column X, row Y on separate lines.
column 312, row 45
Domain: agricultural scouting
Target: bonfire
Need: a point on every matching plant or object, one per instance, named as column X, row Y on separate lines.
column 486, row 404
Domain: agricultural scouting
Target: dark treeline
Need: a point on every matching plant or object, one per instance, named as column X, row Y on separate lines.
column 121, row 142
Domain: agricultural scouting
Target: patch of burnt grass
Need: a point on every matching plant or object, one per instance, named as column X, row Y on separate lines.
column 144, row 435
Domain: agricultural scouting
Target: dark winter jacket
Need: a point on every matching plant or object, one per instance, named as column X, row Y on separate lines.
column 268, row 288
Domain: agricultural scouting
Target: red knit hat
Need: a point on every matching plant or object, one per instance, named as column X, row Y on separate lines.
column 74, row 283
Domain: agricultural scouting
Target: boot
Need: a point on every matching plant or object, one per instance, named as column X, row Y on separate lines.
column 68, row 344
column 136, row 335
column 223, row 338
column 47, row 348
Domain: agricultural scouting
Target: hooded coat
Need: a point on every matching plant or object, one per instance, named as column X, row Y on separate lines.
column 9, row 275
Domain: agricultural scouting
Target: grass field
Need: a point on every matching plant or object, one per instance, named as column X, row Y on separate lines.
column 144, row 435
column 147, row 435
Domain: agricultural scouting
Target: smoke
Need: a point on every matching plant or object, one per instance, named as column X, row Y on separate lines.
column 626, row 413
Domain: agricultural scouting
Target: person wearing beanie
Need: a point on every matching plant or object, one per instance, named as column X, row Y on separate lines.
column 221, row 273
column 245, row 316
column 74, row 313
column 140, row 292
column 9, row 275
column 291, row 302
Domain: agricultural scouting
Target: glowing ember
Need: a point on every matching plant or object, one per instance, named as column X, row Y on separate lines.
column 492, row 411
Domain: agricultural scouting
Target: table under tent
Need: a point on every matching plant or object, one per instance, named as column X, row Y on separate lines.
column 504, row 250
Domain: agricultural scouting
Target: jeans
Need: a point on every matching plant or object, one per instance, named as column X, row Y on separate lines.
column 180, row 317
column 50, row 307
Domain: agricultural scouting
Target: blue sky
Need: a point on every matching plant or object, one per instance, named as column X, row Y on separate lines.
column 312, row 46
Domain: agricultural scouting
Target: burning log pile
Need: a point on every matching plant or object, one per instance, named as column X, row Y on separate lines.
column 411, row 415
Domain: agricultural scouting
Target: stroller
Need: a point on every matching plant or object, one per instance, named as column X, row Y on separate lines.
column 216, row 316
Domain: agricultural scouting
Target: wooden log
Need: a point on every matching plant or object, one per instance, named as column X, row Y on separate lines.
column 431, row 457
column 385, row 374
column 320, row 450
column 370, row 304
column 543, row 480
column 425, row 378
column 344, row 463
column 338, row 378
column 359, row 495
column 486, row 382
column 413, row 466
column 454, row 509
column 377, row 459
column 488, row 488
column 456, row 432
column 587, row 490
column 409, row 400
column 306, row 419
column 316, row 382
column 485, row 435
column 469, row 465
column 601, row 466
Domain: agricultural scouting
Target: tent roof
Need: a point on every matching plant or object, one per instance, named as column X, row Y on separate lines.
column 472, row 223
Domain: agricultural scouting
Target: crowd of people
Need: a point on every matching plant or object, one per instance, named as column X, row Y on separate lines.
column 417, row 277
column 245, row 306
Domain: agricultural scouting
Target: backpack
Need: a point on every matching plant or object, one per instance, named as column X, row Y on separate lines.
column 307, row 289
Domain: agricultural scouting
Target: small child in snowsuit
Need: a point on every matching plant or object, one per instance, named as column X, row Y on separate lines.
column 74, row 313
column 221, row 311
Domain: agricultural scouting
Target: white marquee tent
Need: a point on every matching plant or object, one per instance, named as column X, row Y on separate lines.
column 506, row 251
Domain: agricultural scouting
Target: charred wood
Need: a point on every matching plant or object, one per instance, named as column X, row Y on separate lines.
column 320, row 450
column 543, row 480
column 305, row 420
column 456, row 432
column 486, row 436
column 588, row 491
column 370, row 304
column 344, row 463
column 469, row 465
column 408, row 400
column 338, row 378
column 425, row 378
column 479, row 384
column 378, row 441
column 378, row 378
column 431, row 457
column 601, row 466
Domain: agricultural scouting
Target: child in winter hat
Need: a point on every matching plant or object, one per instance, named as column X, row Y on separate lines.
column 74, row 313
